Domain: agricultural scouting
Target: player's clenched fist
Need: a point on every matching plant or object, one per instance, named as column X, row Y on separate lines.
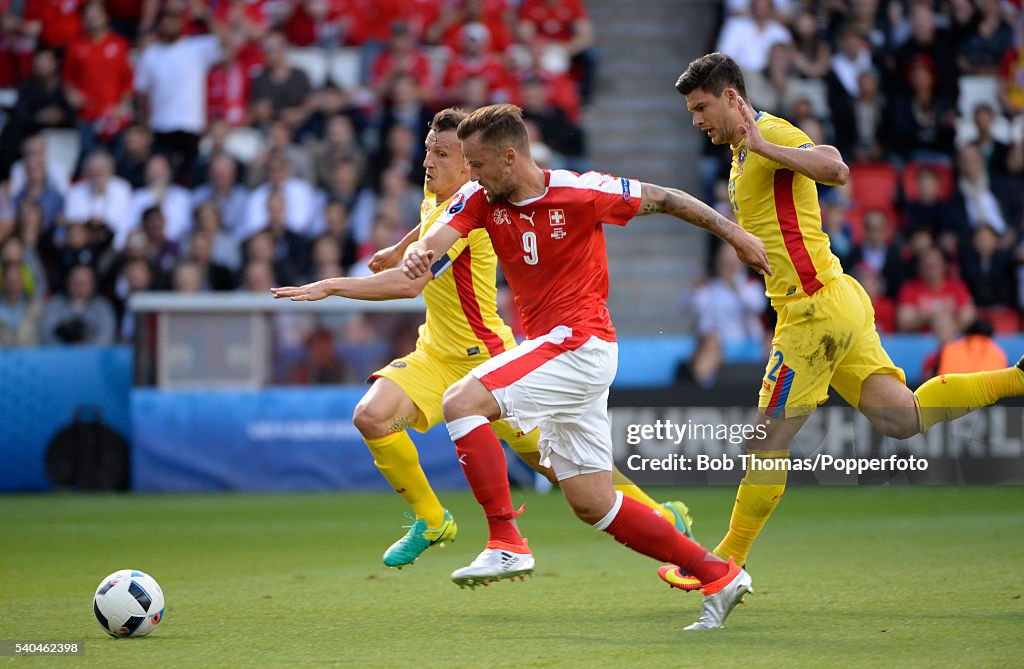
column 385, row 259
column 417, row 262
column 751, row 251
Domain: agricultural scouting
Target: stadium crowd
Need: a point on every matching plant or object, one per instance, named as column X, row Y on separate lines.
column 239, row 144
column 925, row 100
column 242, row 144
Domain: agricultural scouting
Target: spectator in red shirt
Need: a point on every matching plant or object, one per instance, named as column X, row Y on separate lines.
column 401, row 58
column 59, row 22
column 497, row 15
column 16, row 48
column 249, row 22
column 933, row 294
column 229, row 82
column 567, row 24
column 326, row 23
column 195, row 14
column 416, row 15
column 885, row 308
column 98, row 79
column 247, row 14
column 474, row 59
column 534, row 63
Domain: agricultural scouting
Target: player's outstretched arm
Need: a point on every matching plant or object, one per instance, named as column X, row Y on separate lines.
column 421, row 254
column 823, row 163
column 392, row 255
column 656, row 199
column 391, row 284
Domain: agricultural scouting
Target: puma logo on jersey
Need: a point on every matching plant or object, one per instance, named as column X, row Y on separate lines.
column 529, row 218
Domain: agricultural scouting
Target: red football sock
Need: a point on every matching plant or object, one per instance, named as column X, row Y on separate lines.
column 483, row 463
column 646, row 531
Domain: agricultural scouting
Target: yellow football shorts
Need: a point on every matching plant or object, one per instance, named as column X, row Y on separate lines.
column 828, row 338
column 424, row 378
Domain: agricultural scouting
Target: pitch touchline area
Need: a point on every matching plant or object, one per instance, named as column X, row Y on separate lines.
column 887, row 576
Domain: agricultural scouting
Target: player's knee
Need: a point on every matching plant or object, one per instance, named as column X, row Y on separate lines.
column 898, row 427
column 458, row 402
column 370, row 420
column 890, row 406
column 452, row 404
column 588, row 507
column 898, row 420
column 589, row 511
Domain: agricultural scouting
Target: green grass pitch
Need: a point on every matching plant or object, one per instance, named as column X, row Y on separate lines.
column 843, row 577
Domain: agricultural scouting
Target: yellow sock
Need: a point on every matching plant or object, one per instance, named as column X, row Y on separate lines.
column 516, row 440
column 758, row 495
column 951, row 396
column 633, row 491
column 396, row 457
column 526, row 446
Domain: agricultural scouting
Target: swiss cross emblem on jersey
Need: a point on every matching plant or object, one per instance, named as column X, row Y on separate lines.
column 500, row 216
column 556, row 217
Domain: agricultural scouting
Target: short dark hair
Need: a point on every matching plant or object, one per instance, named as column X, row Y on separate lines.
column 714, row 73
column 151, row 212
column 499, row 125
column 447, row 119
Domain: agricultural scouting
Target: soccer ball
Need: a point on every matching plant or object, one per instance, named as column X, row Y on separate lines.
column 128, row 603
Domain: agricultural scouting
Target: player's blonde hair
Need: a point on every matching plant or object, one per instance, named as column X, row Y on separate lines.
column 499, row 126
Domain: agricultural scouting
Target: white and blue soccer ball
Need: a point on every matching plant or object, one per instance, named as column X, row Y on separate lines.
column 128, row 603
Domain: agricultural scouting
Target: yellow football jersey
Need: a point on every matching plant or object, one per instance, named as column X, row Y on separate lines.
column 780, row 207
column 462, row 303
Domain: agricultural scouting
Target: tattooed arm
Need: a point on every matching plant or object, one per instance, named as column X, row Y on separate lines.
column 660, row 200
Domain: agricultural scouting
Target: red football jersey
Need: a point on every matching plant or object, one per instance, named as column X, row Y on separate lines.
column 101, row 70
column 552, row 247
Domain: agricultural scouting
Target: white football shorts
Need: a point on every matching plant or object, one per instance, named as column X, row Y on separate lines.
column 558, row 383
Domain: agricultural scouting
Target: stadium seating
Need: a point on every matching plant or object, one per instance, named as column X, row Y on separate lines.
column 873, row 186
column 976, row 89
column 244, row 143
column 312, row 61
column 343, row 68
column 1003, row 320
column 63, row 146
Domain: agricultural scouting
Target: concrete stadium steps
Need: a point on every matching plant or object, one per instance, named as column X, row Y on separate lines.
column 638, row 126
